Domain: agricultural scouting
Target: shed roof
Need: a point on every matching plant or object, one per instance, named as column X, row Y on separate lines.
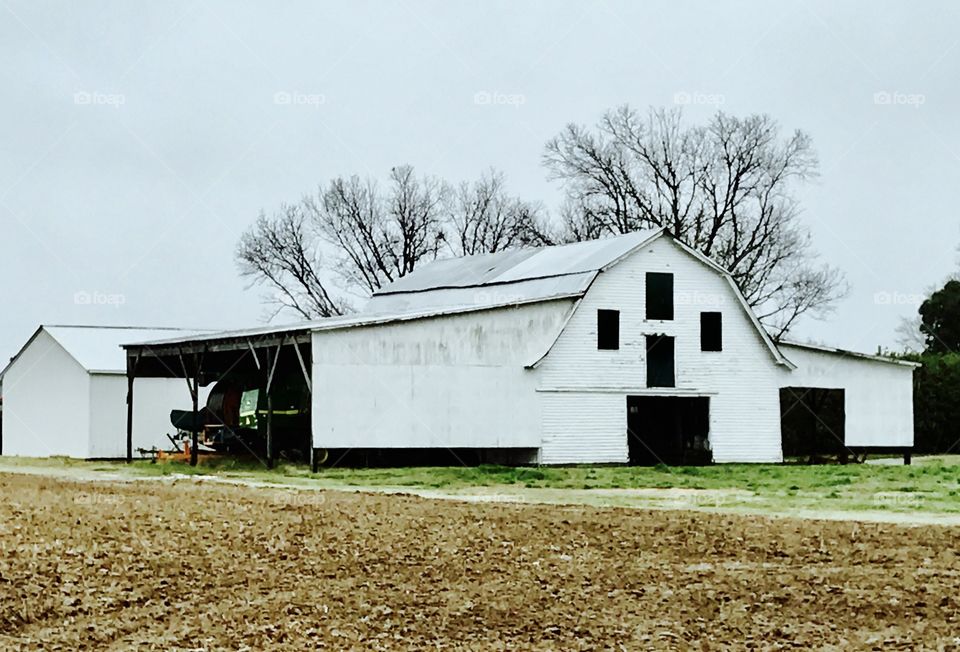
column 98, row 348
column 820, row 348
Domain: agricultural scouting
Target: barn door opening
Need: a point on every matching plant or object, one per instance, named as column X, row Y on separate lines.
column 812, row 421
column 672, row 430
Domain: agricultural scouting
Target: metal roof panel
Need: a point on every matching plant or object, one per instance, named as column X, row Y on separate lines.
column 518, row 265
column 479, row 297
column 98, row 348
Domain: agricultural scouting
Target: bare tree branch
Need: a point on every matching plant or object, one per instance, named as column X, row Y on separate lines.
column 725, row 189
column 483, row 218
column 280, row 253
column 375, row 235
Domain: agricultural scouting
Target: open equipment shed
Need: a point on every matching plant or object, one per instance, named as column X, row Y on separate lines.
column 255, row 358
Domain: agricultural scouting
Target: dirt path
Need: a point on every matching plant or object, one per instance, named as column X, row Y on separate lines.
column 718, row 501
column 180, row 565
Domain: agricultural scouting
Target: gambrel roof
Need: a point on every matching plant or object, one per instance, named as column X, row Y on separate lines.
column 528, row 275
column 488, row 281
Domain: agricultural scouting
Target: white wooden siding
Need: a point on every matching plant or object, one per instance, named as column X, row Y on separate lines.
column 451, row 381
column 599, row 421
column 878, row 396
column 742, row 380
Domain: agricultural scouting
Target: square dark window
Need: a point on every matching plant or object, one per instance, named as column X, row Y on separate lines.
column 659, row 295
column 608, row 329
column 660, row 361
column 711, row 331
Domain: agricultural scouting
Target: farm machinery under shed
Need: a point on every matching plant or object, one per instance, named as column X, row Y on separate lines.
column 260, row 400
column 234, row 420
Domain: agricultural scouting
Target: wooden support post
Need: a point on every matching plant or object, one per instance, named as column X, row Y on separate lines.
column 906, row 457
column 193, row 383
column 131, row 375
column 129, row 418
column 195, row 430
column 269, row 370
column 314, row 462
column 253, row 351
column 269, row 430
column 303, row 366
column 197, row 371
column 268, row 386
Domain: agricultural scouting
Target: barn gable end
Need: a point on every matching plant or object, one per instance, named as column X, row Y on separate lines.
column 584, row 390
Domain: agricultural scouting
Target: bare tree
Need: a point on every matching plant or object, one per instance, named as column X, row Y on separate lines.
column 724, row 189
column 280, row 253
column 379, row 237
column 373, row 236
column 483, row 218
column 416, row 211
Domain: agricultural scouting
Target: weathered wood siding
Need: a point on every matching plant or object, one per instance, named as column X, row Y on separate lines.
column 448, row 381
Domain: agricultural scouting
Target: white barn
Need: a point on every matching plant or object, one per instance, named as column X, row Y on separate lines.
column 65, row 393
column 628, row 349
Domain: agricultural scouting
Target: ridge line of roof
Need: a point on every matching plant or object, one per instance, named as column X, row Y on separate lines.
column 483, row 285
column 122, row 328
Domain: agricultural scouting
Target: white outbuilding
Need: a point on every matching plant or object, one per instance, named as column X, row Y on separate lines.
column 632, row 349
column 65, row 394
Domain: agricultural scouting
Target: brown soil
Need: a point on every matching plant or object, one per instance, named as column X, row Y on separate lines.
column 195, row 566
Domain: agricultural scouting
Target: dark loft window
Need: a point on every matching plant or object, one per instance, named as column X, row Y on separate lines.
column 659, row 295
column 608, row 329
column 660, row 361
column 711, row 331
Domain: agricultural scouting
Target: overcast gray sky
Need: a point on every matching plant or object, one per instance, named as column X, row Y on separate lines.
column 137, row 140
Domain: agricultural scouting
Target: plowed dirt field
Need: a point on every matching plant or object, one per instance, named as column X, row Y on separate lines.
column 194, row 566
